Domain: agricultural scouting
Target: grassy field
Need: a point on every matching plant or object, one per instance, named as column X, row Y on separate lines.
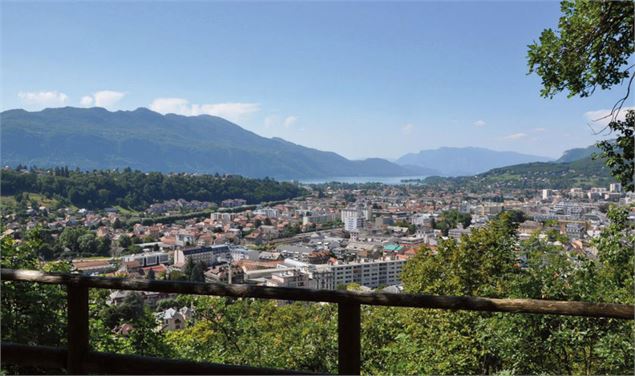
column 10, row 202
column 128, row 212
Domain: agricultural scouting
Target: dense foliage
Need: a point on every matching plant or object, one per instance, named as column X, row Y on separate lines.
column 590, row 49
column 137, row 190
column 583, row 173
column 30, row 313
column 619, row 155
column 450, row 219
column 593, row 47
column 394, row 340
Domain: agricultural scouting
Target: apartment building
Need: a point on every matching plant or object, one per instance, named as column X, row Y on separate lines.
column 209, row 254
column 353, row 219
column 371, row 274
column 148, row 258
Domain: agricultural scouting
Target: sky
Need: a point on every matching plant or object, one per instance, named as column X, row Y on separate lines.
column 363, row 79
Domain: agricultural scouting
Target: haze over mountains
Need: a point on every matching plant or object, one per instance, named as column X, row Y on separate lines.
column 95, row 138
column 466, row 161
column 576, row 154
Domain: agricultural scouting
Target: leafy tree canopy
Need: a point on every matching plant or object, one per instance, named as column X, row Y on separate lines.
column 592, row 48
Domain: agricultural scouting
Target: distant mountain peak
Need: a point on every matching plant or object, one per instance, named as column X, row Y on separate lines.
column 96, row 138
column 576, row 154
column 458, row 161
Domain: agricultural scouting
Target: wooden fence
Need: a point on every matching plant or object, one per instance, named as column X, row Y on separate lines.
column 77, row 357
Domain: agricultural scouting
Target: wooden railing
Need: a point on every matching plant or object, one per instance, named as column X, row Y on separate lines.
column 77, row 357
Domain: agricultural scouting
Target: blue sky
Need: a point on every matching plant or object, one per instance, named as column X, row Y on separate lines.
column 361, row 79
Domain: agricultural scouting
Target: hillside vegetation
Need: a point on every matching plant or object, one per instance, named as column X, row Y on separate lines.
column 583, row 173
column 137, row 190
column 95, row 138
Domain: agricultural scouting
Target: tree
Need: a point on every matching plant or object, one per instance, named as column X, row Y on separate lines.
column 117, row 224
column 515, row 216
column 187, row 269
column 591, row 49
column 104, row 245
column 31, row 313
column 88, row 244
column 70, row 238
column 124, row 241
column 129, row 310
column 450, row 219
column 618, row 154
column 198, row 271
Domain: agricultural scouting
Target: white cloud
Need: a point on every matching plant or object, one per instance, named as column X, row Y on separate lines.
column 289, row 121
column 43, row 98
column 407, row 128
column 171, row 106
column 480, row 123
column 86, row 101
column 602, row 117
column 181, row 106
column 538, row 130
column 102, row 98
column 271, row 121
column 515, row 136
column 107, row 98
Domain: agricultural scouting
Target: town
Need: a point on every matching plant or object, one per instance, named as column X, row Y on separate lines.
column 335, row 237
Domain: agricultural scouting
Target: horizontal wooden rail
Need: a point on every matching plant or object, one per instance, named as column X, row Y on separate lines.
column 33, row 356
column 79, row 359
column 109, row 363
column 570, row 308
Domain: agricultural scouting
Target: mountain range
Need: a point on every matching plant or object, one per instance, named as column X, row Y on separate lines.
column 585, row 172
column 466, row 161
column 576, row 154
column 95, row 138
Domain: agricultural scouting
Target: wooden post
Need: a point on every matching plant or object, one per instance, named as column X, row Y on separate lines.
column 77, row 298
column 349, row 342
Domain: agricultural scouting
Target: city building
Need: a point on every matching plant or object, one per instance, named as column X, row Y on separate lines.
column 615, row 187
column 353, row 219
column 546, row 194
column 210, row 255
column 371, row 274
column 148, row 258
column 267, row 212
column 232, row 203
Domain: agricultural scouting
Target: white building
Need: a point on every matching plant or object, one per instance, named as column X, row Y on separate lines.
column 353, row 219
column 171, row 319
column 289, row 278
column 615, row 187
column 368, row 213
column 370, row 274
column 328, row 277
column 318, row 218
column 240, row 253
column 184, row 238
column 546, row 194
column 267, row 212
column 458, row 232
column 148, row 258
